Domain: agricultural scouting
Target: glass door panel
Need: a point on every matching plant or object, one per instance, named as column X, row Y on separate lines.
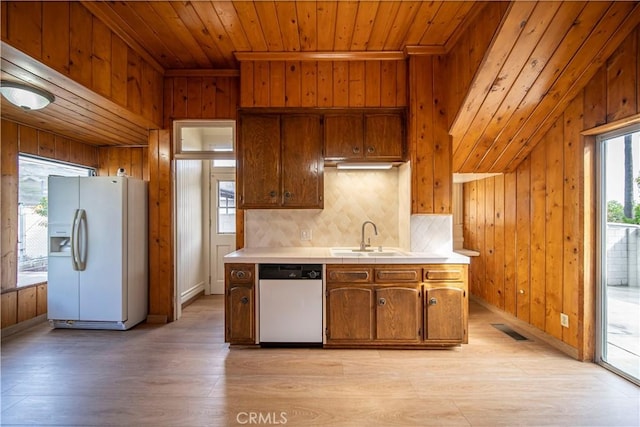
column 619, row 286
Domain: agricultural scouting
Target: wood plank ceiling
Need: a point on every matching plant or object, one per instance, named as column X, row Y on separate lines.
column 207, row 34
column 541, row 56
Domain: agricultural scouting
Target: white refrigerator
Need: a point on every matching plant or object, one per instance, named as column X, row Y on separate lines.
column 97, row 276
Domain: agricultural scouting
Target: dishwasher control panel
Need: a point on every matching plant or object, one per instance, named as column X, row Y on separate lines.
column 290, row 271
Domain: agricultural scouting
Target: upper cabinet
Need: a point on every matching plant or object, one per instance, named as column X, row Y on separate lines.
column 280, row 161
column 364, row 136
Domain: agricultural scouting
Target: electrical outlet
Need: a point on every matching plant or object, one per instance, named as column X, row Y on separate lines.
column 564, row 320
column 305, row 234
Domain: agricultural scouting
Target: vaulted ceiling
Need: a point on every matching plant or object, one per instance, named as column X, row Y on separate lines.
column 206, row 34
column 541, row 55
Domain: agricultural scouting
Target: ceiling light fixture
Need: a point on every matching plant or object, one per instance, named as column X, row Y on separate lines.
column 364, row 166
column 25, row 97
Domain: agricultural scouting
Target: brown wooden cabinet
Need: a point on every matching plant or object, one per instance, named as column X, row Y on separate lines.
column 396, row 305
column 373, row 306
column 364, row 136
column 444, row 313
column 446, row 305
column 280, row 162
column 240, row 304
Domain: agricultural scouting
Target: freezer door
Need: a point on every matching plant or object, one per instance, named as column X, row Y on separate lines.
column 103, row 282
column 62, row 290
column 62, row 287
column 64, row 193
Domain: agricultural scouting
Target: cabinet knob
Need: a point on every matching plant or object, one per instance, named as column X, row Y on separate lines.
column 244, row 300
column 272, row 194
column 433, row 301
column 287, row 194
column 371, row 150
column 356, row 150
column 522, row 291
column 241, row 274
column 382, row 301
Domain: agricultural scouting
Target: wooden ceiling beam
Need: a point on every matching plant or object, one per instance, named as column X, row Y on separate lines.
column 321, row 56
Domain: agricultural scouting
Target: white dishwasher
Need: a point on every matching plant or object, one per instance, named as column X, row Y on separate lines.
column 290, row 302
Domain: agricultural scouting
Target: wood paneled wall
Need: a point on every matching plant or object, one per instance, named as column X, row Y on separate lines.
column 534, row 227
column 530, row 246
column 24, row 303
column 135, row 161
column 72, row 41
column 323, row 84
column 161, row 255
column 429, row 141
column 200, row 97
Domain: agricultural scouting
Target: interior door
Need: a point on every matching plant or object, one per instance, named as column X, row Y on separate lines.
column 222, row 234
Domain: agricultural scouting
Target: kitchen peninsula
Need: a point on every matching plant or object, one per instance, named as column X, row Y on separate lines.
column 375, row 298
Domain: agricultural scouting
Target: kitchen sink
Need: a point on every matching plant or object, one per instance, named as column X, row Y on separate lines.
column 348, row 252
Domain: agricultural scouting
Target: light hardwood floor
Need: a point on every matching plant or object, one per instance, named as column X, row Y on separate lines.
column 183, row 374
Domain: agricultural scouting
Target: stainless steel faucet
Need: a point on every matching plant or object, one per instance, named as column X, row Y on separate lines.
column 363, row 245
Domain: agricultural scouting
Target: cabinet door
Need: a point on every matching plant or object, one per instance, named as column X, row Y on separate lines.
column 302, row 162
column 343, row 136
column 383, row 136
column 444, row 314
column 350, row 314
column 398, row 313
column 240, row 315
column 259, row 161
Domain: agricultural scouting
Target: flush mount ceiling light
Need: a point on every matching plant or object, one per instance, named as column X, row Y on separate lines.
column 364, row 166
column 25, row 97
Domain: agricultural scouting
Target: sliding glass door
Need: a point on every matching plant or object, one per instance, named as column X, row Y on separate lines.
column 619, row 244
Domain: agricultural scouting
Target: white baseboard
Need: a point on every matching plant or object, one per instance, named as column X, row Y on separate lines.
column 191, row 292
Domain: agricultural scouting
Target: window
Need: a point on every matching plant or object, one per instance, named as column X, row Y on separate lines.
column 206, row 139
column 32, row 214
column 226, row 207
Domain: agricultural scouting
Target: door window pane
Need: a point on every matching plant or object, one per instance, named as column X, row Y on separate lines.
column 226, row 207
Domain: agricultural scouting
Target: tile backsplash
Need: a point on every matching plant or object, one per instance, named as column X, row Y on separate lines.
column 350, row 198
column 432, row 233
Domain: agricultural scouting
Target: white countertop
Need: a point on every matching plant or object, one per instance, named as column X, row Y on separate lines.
column 322, row 255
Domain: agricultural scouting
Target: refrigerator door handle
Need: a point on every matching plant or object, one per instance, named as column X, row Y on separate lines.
column 82, row 240
column 74, row 240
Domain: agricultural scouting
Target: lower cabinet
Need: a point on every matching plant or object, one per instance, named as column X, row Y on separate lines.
column 396, row 306
column 369, row 305
column 240, row 304
column 444, row 314
column 373, row 314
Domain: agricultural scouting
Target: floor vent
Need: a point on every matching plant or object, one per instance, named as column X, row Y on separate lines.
column 507, row 330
